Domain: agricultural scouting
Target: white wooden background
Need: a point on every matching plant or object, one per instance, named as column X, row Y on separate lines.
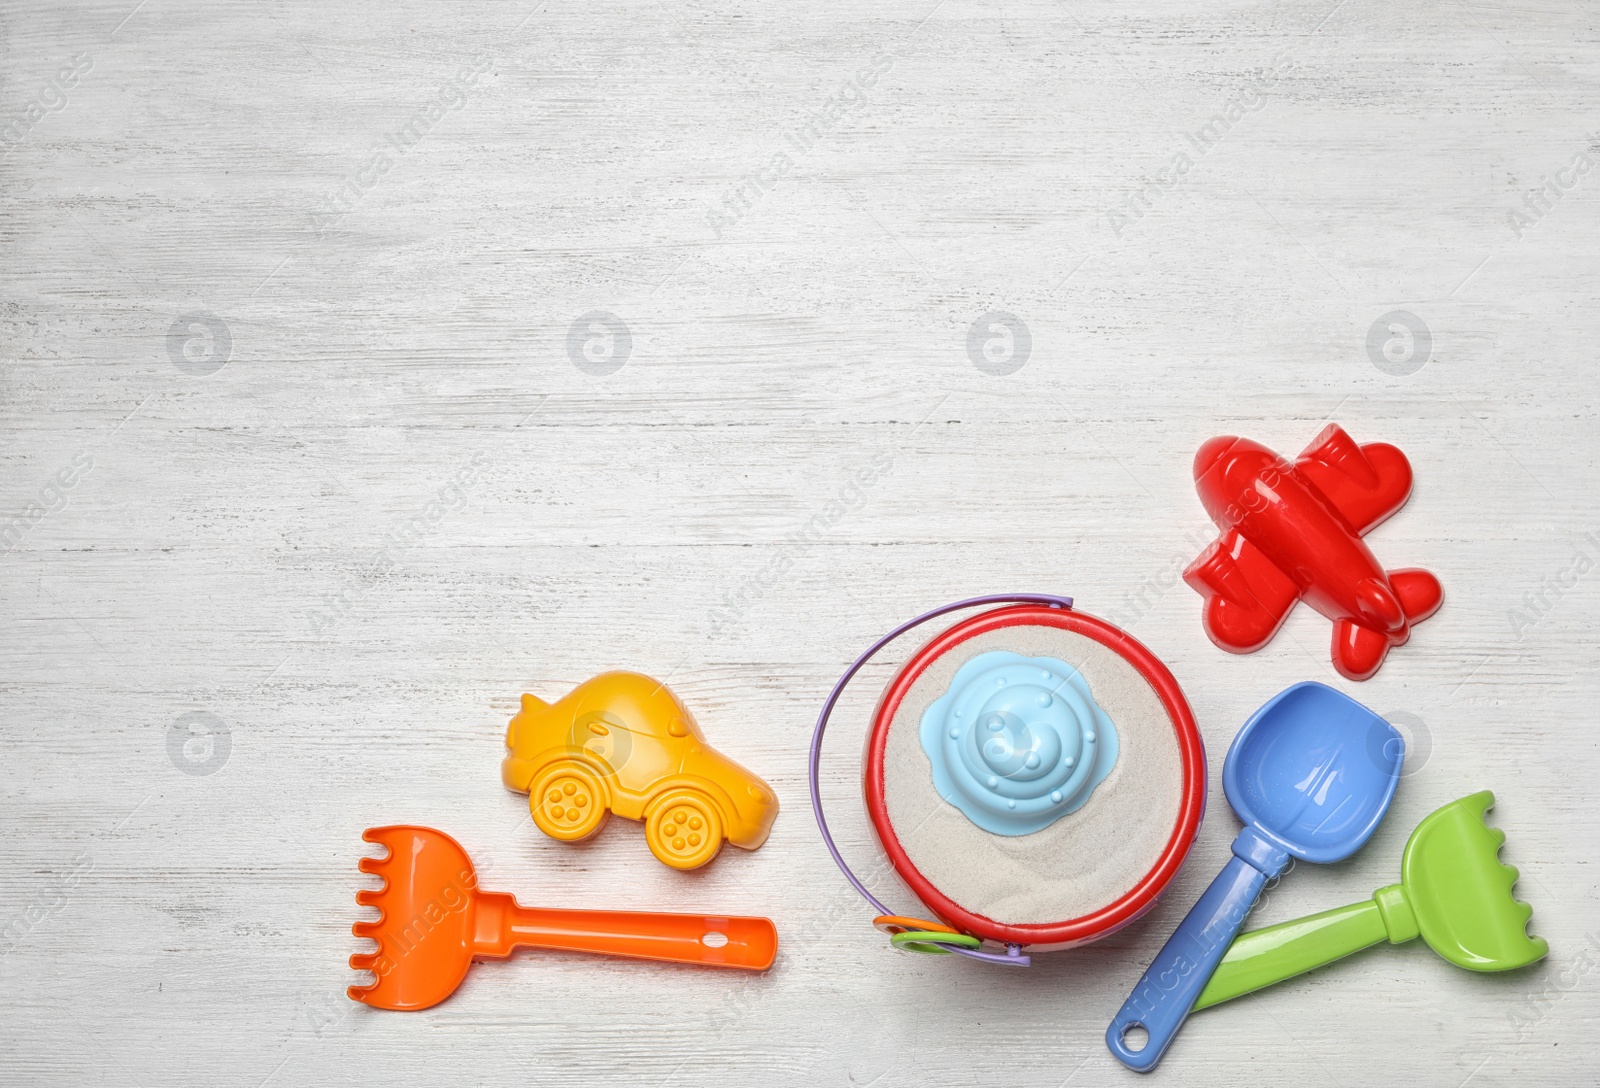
column 253, row 392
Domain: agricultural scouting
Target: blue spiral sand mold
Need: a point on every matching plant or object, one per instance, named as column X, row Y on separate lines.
column 1017, row 742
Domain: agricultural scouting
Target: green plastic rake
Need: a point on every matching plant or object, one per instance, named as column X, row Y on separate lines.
column 1453, row 892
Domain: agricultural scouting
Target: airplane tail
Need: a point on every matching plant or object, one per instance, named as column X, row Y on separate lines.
column 1419, row 592
column 1358, row 651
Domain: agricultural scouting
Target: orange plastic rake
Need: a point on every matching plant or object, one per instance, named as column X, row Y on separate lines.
column 434, row 921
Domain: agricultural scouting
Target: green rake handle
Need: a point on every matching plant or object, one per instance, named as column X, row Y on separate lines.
column 1263, row 957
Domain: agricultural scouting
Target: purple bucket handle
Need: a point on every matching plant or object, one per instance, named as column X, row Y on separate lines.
column 1012, row 957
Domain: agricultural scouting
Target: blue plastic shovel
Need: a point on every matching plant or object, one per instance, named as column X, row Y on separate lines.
column 1311, row 775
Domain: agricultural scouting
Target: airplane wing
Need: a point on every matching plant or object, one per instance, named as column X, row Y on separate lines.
column 1365, row 484
column 1247, row 596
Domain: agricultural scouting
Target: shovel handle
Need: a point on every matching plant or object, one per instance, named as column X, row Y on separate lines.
column 1166, row 993
column 1161, row 1001
column 1265, row 956
column 717, row 940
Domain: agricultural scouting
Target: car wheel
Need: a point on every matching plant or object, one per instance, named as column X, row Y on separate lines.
column 568, row 801
column 684, row 828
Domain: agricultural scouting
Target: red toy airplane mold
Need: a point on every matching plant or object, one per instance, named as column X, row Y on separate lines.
column 1293, row 532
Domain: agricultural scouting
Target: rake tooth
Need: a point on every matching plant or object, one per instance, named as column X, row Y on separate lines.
column 363, row 961
column 368, row 929
column 372, row 897
column 381, row 836
column 1499, row 838
column 361, row 993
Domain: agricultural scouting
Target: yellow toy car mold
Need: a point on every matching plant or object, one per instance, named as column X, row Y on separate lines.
column 622, row 742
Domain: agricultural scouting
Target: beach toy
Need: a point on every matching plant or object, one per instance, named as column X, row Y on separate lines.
column 1033, row 775
column 434, row 921
column 1311, row 775
column 622, row 742
column 1453, row 892
column 1292, row 532
column 1017, row 742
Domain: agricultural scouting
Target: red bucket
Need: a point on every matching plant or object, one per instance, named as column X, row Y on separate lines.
column 1135, row 896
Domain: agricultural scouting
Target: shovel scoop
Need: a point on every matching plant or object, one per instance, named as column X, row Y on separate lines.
column 1453, row 892
column 434, row 921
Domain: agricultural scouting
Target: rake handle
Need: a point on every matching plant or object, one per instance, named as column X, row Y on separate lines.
column 1263, row 957
column 714, row 940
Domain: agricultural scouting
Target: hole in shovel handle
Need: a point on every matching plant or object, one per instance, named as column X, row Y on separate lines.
column 1135, row 1037
column 714, row 939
